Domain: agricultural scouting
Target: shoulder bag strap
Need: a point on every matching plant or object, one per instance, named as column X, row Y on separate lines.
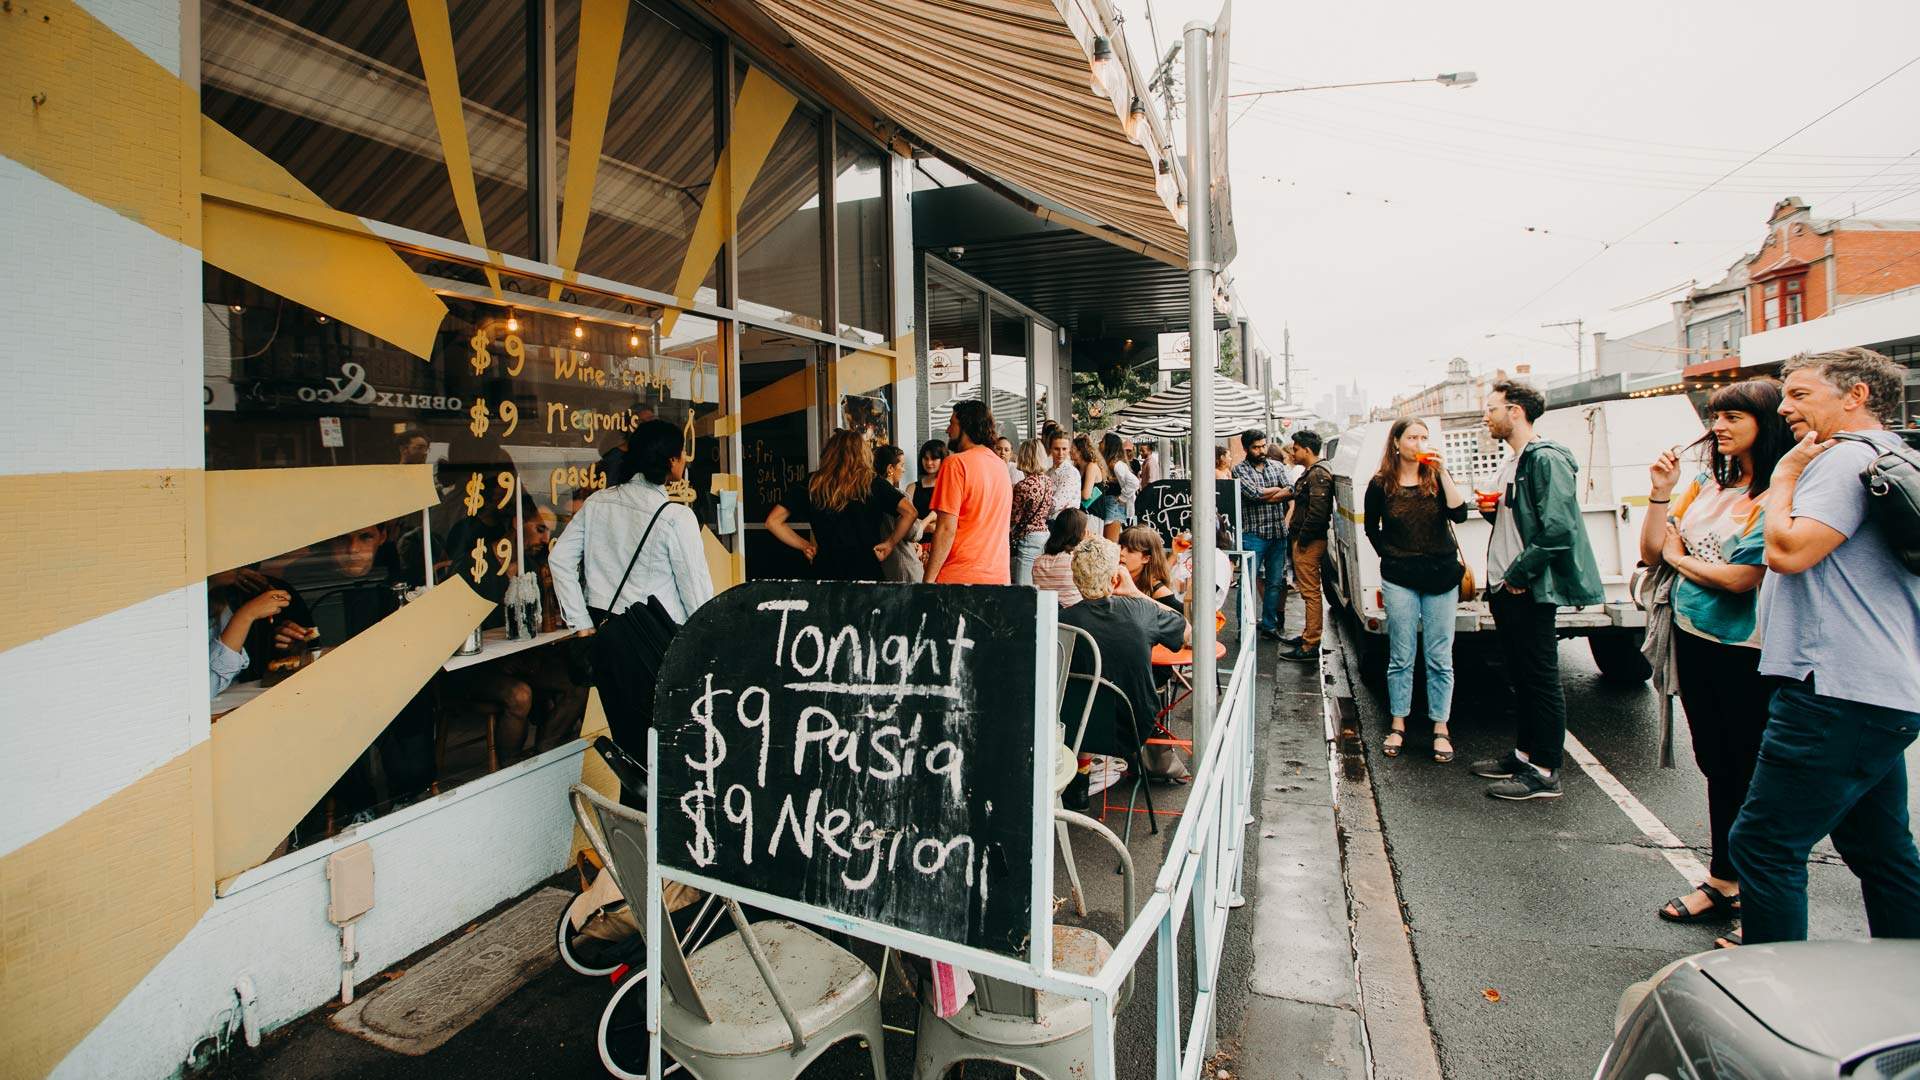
column 615, row 598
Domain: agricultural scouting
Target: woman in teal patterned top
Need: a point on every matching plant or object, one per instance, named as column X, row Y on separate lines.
column 1711, row 535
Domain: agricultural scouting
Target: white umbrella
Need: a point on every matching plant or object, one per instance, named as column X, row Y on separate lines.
column 1168, row 413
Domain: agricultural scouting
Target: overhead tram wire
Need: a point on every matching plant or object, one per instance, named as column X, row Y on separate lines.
column 1667, row 179
column 1733, row 153
column 1590, row 260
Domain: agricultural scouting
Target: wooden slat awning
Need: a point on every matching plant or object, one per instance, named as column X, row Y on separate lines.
column 1000, row 86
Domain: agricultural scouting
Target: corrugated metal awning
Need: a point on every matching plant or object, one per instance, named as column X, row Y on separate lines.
column 1000, row 86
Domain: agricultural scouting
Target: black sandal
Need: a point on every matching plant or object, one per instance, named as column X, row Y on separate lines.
column 1729, row 940
column 1720, row 906
column 1390, row 747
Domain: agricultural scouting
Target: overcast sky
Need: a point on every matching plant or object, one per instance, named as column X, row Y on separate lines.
column 1395, row 227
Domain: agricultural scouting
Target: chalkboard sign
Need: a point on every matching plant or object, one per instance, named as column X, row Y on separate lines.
column 1167, row 505
column 872, row 750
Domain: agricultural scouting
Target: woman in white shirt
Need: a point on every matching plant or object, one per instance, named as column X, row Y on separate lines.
column 604, row 538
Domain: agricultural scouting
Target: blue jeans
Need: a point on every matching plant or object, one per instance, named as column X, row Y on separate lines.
column 1025, row 550
column 1270, row 560
column 1410, row 616
column 1827, row 767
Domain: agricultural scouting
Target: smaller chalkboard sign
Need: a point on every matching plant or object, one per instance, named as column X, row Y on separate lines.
column 1167, row 505
column 877, row 752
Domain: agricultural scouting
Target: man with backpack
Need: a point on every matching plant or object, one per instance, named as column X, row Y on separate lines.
column 1842, row 618
column 1538, row 561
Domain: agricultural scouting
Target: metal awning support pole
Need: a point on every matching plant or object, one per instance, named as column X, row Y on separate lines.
column 1205, row 345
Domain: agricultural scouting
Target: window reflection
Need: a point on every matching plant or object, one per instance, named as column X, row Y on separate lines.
column 336, row 93
column 1009, row 377
column 953, row 349
column 780, row 229
column 658, row 156
column 861, row 220
column 522, row 413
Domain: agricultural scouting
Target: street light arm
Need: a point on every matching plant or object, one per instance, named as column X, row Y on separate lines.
column 1451, row 78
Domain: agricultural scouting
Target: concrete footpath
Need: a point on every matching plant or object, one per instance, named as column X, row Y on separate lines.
column 1331, row 989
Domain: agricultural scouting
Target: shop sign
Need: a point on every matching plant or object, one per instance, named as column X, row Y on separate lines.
column 331, row 436
column 1176, row 352
column 946, row 366
column 352, row 388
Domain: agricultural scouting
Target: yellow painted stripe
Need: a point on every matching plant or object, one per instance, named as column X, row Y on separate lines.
column 276, row 756
column 255, row 514
column 112, row 124
column 88, row 909
column 131, row 535
column 315, row 256
column 356, row 279
column 602, row 25
column 759, row 114
column 593, row 768
column 790, row 394
column 866, row 370
column 433, row 36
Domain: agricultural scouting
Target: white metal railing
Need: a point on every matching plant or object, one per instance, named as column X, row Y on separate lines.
column 1201, row 879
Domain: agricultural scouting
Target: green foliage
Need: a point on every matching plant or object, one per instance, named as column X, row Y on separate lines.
column 1096, row 395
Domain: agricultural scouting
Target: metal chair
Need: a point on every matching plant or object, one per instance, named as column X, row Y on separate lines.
column 727, row 1012
column 1044, row 1034
column 1069, row 639
column 1099, row 685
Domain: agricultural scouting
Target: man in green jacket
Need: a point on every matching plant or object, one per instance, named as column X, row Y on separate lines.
column 1537, row 562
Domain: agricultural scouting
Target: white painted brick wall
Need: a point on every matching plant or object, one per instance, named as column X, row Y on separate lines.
column 436, row 867
column 91, row 709
column 153, row 26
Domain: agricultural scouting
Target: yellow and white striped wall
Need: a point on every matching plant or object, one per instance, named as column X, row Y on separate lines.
column 127, row 906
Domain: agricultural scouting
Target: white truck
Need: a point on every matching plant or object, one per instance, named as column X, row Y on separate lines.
column 1613, row 442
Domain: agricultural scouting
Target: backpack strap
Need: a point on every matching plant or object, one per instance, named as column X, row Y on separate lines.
column 651, row 522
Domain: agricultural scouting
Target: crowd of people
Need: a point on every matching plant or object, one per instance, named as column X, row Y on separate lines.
column 1790, row 620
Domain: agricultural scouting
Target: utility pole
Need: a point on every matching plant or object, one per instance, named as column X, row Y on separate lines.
column 1200, row 324
column 1579, row 336
column 1286, row 359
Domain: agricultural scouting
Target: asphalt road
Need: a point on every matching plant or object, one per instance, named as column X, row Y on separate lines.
column 1548, row 905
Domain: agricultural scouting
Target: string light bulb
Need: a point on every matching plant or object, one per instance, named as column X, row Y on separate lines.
column 322, row 319
column 578, row 330
column 633, row 341
column 237, row 309
column 513, row 323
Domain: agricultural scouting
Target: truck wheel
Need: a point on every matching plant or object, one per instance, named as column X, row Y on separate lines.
column 1618, row 656
column 1373, row 658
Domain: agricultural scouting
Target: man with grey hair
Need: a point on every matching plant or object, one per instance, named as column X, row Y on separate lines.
column 1842, row 619
column 1126, row 625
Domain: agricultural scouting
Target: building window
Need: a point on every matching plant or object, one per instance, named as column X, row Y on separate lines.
column 1783, row 301
column 860, row 216
column 521, row 412
column 338, row 95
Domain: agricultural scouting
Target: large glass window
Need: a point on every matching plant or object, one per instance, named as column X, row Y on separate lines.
column 522, row 413
column 779, row 441
column 338, row 95
column 1008, row 382
column 781, row 263
column 860, row 214
column 657, row 160
column 953, row 350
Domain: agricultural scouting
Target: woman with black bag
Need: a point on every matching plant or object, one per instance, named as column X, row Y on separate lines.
column 630, row 568
column 1411, row 507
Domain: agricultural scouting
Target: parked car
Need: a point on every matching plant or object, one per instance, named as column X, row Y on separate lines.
column 1791, row 1011
column 1612, row 441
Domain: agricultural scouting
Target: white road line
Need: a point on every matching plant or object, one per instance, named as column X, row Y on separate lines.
column 1677, row 854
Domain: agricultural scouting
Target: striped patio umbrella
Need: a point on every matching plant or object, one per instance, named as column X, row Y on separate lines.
column 1168, row 413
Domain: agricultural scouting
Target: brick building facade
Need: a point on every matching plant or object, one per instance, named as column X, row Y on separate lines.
column 1809, row 266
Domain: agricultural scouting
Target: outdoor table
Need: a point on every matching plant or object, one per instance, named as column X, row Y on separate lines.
column 1177, row 689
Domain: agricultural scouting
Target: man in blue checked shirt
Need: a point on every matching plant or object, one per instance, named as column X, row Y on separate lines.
column 1264, row 494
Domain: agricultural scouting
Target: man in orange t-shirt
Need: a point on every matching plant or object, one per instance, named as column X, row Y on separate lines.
column 972, row 505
